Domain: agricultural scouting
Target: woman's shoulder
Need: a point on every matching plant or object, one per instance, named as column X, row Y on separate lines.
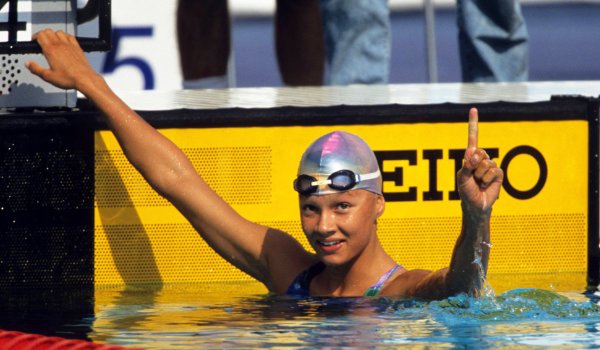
column 404, row 284
column 286, row 259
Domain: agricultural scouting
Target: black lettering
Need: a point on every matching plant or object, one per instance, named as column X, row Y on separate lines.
column 458, row 155
column 539, row 158
column 432, row 194
column 397, row 175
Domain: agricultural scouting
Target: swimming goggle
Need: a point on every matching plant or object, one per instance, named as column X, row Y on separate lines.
column 341, row 180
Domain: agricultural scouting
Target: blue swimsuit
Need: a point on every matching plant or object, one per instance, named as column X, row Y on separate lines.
column 300, row 285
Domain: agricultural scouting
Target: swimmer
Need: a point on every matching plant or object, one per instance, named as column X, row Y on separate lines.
column 340, row 200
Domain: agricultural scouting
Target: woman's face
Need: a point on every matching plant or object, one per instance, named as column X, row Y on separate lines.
column 340, row 226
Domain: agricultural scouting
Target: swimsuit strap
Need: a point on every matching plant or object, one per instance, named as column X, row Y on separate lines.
column 374, row 289
column 300, row 285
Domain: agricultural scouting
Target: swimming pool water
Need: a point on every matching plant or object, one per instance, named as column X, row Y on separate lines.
column 176, row 318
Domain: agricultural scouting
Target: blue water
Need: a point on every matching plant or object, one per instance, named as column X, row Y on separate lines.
column 516, row 319
column 173, row 318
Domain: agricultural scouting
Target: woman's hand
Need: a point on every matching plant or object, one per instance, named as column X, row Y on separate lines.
column 69, row 68
column 479, row 179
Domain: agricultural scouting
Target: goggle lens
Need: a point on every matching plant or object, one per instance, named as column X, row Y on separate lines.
column 303, row 184
column 341, row 180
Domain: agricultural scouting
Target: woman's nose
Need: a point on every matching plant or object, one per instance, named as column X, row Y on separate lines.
column 326, row 223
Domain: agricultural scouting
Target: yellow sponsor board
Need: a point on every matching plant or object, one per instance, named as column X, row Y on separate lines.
column 539, row 223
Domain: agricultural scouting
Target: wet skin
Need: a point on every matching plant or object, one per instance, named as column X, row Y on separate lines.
column 341, row 226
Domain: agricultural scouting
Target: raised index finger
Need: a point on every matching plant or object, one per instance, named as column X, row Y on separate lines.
column 473, row 128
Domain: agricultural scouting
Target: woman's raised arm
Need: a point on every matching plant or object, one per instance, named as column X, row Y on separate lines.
column 164, row 166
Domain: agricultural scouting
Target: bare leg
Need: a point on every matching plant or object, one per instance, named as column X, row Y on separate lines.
column 203, row 34
column 299, row 42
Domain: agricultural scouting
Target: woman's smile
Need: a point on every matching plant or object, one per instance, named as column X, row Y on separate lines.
column 329, row 246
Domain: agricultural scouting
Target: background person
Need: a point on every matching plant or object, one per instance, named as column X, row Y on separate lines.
column 331, row 42
column 357, row 38
column 204, row 38
column 493, row 41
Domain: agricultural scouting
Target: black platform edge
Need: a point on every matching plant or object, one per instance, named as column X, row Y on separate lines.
column 87, row 116
column 575, row 109
column 593, row 273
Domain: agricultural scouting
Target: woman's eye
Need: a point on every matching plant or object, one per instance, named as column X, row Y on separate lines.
column 343, row 206
column 309, row 208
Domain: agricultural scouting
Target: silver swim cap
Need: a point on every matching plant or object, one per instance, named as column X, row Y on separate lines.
column 338, row 161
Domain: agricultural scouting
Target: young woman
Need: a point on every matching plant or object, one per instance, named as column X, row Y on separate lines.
column 340, row 198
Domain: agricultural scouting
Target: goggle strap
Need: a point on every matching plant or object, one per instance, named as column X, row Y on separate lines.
column 368, row 176
column 321, row 182
column 359, row 178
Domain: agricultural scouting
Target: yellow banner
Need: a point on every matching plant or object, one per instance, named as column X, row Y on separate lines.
column 539, row 223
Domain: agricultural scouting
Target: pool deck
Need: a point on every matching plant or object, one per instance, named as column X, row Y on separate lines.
column 405, row 94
